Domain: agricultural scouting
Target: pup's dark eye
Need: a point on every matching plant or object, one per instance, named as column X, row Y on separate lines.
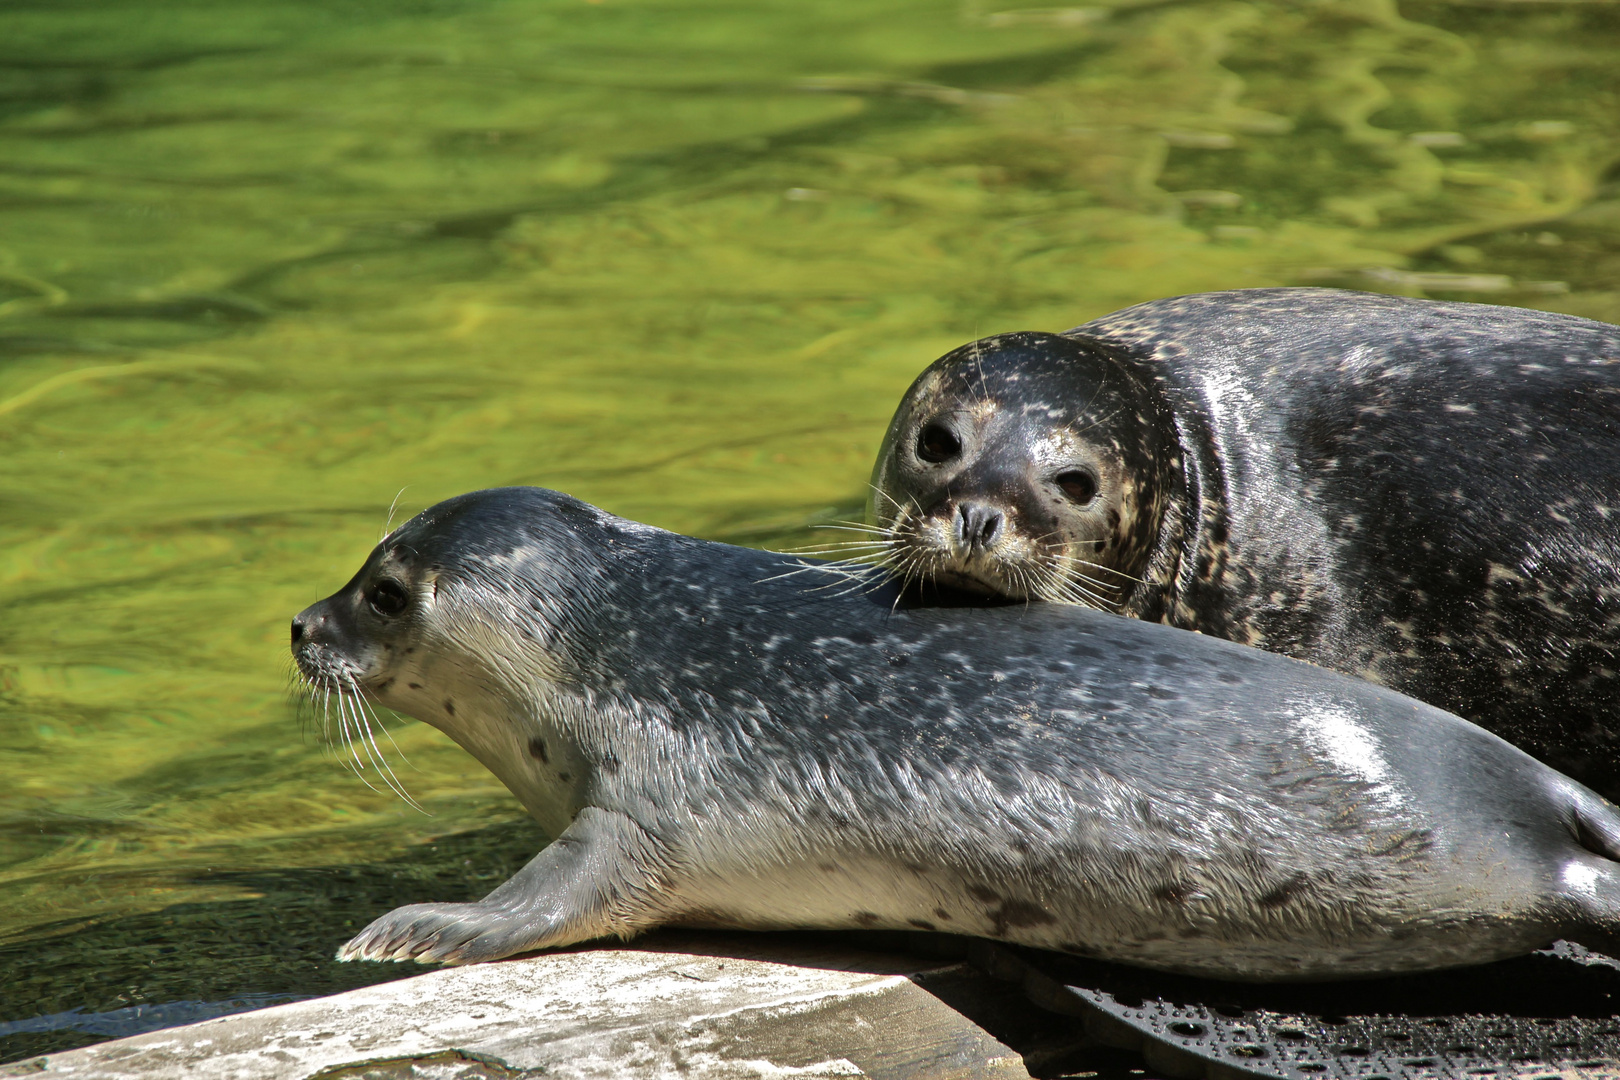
column 935, row 444
column 388, row 597
column 1079, row 486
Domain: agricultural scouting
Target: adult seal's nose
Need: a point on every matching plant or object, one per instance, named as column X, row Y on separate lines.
column 978, row 526
column 297, row 629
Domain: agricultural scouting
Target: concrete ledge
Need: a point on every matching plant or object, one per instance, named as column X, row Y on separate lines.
column 691, row 1005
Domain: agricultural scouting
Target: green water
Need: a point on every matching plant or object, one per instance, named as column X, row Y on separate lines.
column 266, row 266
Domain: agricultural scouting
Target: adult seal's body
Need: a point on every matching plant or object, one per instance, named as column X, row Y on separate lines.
column 1423, row 494
column 714, row 741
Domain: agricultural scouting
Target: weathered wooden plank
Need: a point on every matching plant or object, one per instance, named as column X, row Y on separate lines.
column 723, row 1006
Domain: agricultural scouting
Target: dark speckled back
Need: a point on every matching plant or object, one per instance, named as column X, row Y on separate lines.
column 1019, row 689
column 1424, row 493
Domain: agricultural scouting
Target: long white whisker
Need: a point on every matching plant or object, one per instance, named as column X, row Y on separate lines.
column 375, row 752
column 389, row 526
column 833, row 549
column 871, row 530
column 388, row 735
column 1071, row 590
column 834, row 523
column 831, row 567
column 357, row 765
column 851, row 582
column 886, row 495
column 1088, row 565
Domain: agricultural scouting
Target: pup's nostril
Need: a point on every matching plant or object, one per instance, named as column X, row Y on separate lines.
column 297, row 630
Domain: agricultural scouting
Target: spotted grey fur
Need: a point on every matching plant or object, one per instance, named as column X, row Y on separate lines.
column 714, row 740
column 1424, row 494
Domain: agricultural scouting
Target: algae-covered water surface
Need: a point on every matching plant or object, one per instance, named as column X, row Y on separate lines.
column 275, row 274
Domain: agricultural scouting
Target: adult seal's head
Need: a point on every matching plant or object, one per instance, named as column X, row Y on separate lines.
column 713, row 740
column 1027, row 465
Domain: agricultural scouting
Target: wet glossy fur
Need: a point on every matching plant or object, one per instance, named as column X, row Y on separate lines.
column 715, row 743
column 1421, row 493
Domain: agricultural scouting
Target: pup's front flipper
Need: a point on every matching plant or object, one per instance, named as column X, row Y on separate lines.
column 597, row 878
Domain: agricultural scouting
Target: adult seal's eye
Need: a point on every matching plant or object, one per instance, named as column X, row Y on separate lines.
column 935, row 444
column 1079, row 486
column 388, row 597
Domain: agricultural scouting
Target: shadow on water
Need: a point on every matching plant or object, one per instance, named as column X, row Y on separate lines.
column 191, row 962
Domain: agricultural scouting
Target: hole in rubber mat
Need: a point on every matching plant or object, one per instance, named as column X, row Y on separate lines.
column 1553, row 1012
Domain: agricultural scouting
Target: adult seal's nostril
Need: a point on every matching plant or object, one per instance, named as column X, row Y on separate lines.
column 978, row 527
column 298, row 630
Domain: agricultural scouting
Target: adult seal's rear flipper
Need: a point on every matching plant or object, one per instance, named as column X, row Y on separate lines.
column 592, row 881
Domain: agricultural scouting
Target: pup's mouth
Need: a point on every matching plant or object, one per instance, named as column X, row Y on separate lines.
column 324, row 670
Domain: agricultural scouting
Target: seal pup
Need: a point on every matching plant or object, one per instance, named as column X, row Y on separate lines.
column 715, row 741
column 1423, row 494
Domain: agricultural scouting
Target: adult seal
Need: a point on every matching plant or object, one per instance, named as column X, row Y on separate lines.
column 1419, row 493
column 713, row 740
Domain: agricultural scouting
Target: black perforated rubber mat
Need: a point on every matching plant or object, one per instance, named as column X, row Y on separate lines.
column 1546, row 1015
